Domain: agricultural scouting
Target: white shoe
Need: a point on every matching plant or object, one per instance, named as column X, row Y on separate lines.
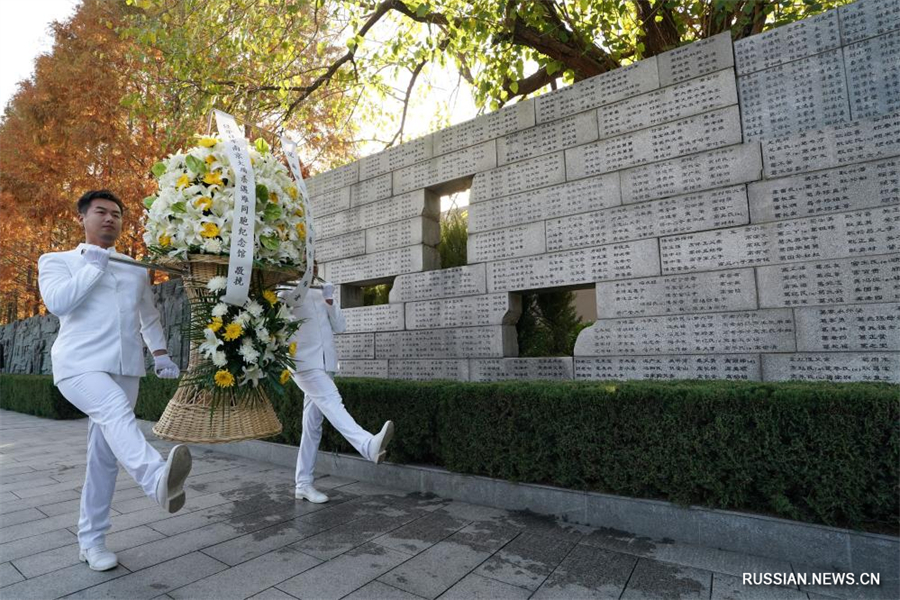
column 308, row 492
column 99, row 558
column 380, row 442
column 170, row 489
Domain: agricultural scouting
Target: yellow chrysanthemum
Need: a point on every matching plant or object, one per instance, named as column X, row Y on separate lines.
column 233, row 331
column 210, row 160
column 203, row 203
column 224, row 378
column 270, row 297
column 292, row 192
column 215, row 324
column 164, row 240
column 285, row 376
column 208, row 142
column 301, row 230
column 298, row 212
column 293, row 348
column 273, row 197
column 213, row 178
column 209, row 230
column 183, row 182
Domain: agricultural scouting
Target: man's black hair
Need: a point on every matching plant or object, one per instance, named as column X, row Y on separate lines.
column 84, row 203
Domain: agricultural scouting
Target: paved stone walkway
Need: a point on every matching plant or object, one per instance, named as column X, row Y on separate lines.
column 242, row 535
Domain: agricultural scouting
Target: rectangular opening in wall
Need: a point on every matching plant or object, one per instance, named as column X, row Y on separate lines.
column 552, row 319
column 454, row 229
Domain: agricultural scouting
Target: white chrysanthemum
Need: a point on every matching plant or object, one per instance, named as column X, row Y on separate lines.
column 254, row 308
column 248, row 352
column 263, row 335
column 219, row 359
column 216, row 284
column 220, row 310
column 213, row 246
column 243, row 319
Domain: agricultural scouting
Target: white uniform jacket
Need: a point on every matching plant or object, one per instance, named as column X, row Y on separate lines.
column 102, row 315
column 315, row 338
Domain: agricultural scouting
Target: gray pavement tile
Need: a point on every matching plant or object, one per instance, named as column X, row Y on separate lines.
column 888, row 588
column 527, row 560
column 376, row 590
column 548, row 526
column 329, row 482
column 71, row 507
column 652, row 580
column 59, row 583
column 421, row 533
column 155, row 581
column 272, row 593
column 6, row 497
column 28, row 483
column 251, row 545
column 476, row 587
column 59, row 558
column 362, row 488
column 337, row 578
column 485, row 535
column 474, row 512
column 43, row 490
column 8, row 470
column 20, row 516
column 34, row 544
column 588, row 572
column 342, row 538
column 220, row 512
column 25, row 530
column 30, row 475
column 9, row 575
column 729, row 587
column 250, row 577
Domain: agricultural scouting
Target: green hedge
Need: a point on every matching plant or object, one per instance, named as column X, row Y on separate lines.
column 815, row 452
column 35, row 395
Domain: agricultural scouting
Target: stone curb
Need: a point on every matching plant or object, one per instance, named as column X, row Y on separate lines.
column 799, row 543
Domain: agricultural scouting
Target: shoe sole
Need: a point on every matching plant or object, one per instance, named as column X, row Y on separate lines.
column 308, row 499
column 379, row 458
column 84, row 559
column 181, row 468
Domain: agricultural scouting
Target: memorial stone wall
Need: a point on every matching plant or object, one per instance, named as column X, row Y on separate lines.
column 735, row 206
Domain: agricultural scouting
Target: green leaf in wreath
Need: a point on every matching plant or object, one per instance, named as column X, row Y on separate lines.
column 269, row 241
column 272, row 212
column 148, row 201
column 262, row 193
column 261, row 146
column 158, row 169
column 195, row 164
column 179, row 207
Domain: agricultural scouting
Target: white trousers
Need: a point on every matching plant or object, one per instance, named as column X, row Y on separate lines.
column 113, row 434
column 322, row 400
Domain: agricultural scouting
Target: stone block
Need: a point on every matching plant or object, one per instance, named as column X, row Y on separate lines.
column 547, row 137
column 697, row 133
column 555, row 201
column 382, row 317
column 858, row 233
column 868, row 18
column 425, row 370
column 329, row 202
column 469, row 311
column 606, row 88
column 446, row 168
column 768, row 330
column 370, row 190
column 355, row 345
column 848, row 328
column 520, row 240
column 405, row 154
column 794, row 97
column 443, row 283
column 342, row 246
column 730, row 290
column 653, row 578
column 335, row 178
column 708, row 92
column 373, row 268
column 865, row 185
column 693, row 60
column 363, row 368
column 741, row 367
column 508, row 119
column 828, row 282
column 418, row 230
column 575, row 267
column 588, row 573
column 832, row 366
column 873, row 76
column 502, row 369
column 461, row 342
column 525, row 175
column 858, row 141
column 418, row 203
column 718, row 168
column 692, row 212
column 811, row 36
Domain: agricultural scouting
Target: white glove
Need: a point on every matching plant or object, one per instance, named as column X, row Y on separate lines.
column 96, row 256
column 165, row 368
column 328, row 290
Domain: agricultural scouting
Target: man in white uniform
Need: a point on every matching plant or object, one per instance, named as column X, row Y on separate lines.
column 104, row 309
column 316, row 362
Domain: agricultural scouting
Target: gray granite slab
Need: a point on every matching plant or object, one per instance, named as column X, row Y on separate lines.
column 355, row 345
column 510, row 242
column 446, row 168
column 468, row 311
column 832, row 366
column 517, row 177
column 459, row 342
column 698, row 58
column 502, row 369
column 396, row 157
column 335, row 178
column 382, row 317
column 363, row 368
column 416, row 203
column 740, row 367
column 588, row 573
column 873, row 76
column 848, row 328
column 787, row 43
column 382, row 265
column 418, row 230
column 424, row 370
column 548, row 137
column 507, row 120
column 868, row 18
column 444, row 283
